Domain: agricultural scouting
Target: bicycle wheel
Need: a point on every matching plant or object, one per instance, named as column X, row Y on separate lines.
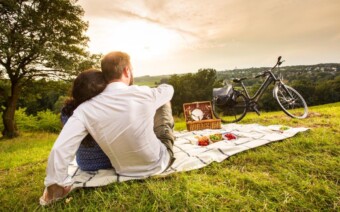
column 232, row 111
column 290, row 101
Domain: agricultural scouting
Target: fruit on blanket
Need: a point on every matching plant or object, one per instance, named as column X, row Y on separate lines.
column 215, row 137
column 203, row 141
column 230, row 136
column 284, row 128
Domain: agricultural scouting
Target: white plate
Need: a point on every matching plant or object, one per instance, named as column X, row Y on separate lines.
column 197, row 114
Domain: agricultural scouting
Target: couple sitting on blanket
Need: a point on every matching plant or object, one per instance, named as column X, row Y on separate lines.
column 110, row 123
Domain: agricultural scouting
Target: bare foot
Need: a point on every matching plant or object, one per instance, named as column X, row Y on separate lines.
column 54, row 193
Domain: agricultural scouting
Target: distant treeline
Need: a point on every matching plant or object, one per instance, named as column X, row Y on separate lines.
column 318, row 84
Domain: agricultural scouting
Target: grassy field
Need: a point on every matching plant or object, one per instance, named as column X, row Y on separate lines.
column 299, row 174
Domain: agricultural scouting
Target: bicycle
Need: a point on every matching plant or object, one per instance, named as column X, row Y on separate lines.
column 231, row 105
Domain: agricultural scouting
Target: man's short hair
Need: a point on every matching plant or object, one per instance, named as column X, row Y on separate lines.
column 113, row 65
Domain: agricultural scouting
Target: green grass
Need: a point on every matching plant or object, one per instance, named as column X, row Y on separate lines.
column 299, row 174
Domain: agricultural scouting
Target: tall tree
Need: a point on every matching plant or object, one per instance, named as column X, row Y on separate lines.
column 38, row 39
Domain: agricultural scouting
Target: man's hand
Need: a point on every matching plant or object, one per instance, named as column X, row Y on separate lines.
column 54, row 193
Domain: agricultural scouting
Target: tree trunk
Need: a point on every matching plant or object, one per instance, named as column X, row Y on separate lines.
column 10, row 128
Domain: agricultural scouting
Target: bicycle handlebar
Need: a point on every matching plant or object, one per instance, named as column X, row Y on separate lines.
column 279, row 59
column 278, row 63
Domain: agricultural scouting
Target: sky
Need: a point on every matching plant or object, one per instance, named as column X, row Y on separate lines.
column 181, row 36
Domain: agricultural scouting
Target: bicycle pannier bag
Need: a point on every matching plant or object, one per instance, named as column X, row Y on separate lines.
column 223, row 95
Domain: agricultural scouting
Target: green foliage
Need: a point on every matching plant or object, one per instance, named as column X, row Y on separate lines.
column 42, row 95
column 40, row 39
column 318, row 84
column 44, row 33
column 48, row 121
column 191, row 88
column 41, row 32
column 59, row 104
column 44, row 121
column 328, row 91
column 24, row 121
column 297, row 174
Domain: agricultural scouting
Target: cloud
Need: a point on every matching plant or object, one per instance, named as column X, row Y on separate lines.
column 240, row 30
column 149, row 11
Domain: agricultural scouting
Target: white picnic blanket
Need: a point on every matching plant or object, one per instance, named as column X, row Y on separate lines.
column 190, row 156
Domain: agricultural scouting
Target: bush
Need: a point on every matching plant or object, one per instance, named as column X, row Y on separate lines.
column 44, row 121
column 48, row 121
column 25, row 122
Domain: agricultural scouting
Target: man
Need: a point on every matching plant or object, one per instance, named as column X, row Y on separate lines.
column 132, row 125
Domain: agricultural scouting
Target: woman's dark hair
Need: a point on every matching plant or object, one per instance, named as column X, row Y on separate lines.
column 88, row 84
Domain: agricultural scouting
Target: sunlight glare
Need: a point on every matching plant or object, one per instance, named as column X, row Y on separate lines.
column 140, row 39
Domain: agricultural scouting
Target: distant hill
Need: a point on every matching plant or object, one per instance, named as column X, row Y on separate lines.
column 290, row 72
column 150, row 80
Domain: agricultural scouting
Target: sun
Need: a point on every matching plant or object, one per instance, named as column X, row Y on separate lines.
column 141, row 39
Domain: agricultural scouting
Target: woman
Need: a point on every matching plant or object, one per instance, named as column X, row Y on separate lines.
column 90, row 83
column 89, row 156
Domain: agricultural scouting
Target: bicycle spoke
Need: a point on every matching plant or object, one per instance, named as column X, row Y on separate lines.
column 232, row 111
column 291, row 102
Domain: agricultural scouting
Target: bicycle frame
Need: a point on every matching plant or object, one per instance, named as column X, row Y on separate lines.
column 258, row 94
column 271, row 78
column 260, row 91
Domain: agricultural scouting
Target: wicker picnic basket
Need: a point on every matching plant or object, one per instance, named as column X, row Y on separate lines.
column 199, row 116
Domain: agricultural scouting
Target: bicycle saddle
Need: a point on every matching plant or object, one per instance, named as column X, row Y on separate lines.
column 238, row 80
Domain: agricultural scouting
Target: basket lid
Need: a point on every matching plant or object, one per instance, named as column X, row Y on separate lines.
column 197, row 111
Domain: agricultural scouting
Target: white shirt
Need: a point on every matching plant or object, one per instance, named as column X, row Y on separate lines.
column 121, row 121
